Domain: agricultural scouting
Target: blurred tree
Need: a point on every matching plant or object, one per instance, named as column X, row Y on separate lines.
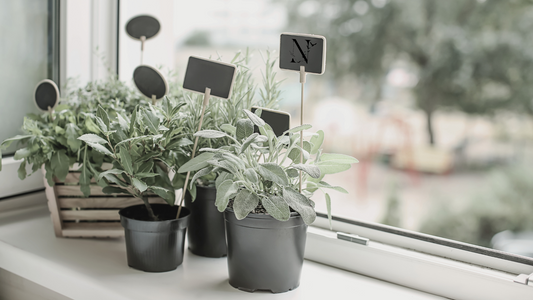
column 472, row 55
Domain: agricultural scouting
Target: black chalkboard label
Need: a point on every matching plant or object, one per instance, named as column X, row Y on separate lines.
column 46, row 95
column 150, row 82
column 302, row 50
column 205, row 73
column 280, row 121
column 144, row 25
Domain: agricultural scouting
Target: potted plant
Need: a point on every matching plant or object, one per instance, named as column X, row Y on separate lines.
column 257, row 189
column 52, row 144
column 206, row 234
column 140, row 149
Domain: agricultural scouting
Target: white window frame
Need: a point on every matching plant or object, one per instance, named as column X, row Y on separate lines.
column 438, row 266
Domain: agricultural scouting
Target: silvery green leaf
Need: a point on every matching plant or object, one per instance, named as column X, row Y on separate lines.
column 163, row 128
column 133, row 121
column 166, row 194
column 72, row 137
column 114, row 190
column 126, row 161
column 229, row 128
column 244, row 128
column 330, row 167
column 199, row 174
column 223, row 164
column 109, row 172
column 151, row 121
column 145, row 167
column 22, row 153
column 124, row 125
column 232, row 158
column 338, row 158
column 138, row 184
column 101, row 125
column 328, row 208
column 146, row 175
column 312, row 170
column 294, row 155
column 197, row 163
column 316, row 141
column 274, row 173
column 326, row 185
column 299, row 128
column 251, row 175
column 85, row 180
column 248, row 141
column 92, row 138
column 254, row 118
column 60, row 164
column 276, row 207
column 301, row 204
column 292, row 173
column 222, row 176
column 102, row 115
column 225, row 191
column 244, row 203
column 210, row 134
column 22, row 170
column 100, row 148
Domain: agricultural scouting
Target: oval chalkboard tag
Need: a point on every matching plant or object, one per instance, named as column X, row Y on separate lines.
column 150, row 82
column 144, row 25
column 46, row 95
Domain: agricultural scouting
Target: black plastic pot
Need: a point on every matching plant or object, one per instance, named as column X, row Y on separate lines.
column 206, row 236
column 154, row 246
column 264, row 253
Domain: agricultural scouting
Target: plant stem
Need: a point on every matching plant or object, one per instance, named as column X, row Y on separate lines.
column 151, row 214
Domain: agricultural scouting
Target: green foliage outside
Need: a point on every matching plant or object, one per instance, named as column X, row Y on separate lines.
column 505, row 203
column 474, row 56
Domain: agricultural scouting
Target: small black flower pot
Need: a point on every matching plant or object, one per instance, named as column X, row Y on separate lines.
column 264, row 253
column 206, row 236
column 154, row 246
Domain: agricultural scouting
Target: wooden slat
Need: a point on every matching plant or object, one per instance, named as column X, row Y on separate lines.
column 74, row 190
column 108, row 215
column 52, row 205
column 99, row 230
column 103, row 202
column 73, row 178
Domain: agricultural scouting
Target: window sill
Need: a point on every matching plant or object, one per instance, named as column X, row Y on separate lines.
column 97, row 269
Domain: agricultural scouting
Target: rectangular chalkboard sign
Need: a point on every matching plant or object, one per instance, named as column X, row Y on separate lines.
column 306, row 50
column 204, row 73
column 280, row 121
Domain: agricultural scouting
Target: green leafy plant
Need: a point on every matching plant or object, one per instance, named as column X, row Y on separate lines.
column 53, row 142
column 262, row 170
column 141, row 149
column 226, row 111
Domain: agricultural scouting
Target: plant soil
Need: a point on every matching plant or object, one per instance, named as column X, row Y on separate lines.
column 163, row 213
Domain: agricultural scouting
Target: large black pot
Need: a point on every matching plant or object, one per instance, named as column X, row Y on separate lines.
column 154, row 246
column 206, row 236
column 264, row 253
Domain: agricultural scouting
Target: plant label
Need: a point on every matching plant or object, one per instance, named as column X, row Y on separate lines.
column 150, row 82
column 302, row 50
column 144, row 25
column 280, row 121
column 46, row 95
column 206, row 73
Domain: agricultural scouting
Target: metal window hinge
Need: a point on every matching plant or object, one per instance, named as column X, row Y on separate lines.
column 523, row 278
column 352, row 238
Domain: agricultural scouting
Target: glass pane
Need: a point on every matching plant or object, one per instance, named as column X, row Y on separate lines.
column 27, row 52
column 432, row 97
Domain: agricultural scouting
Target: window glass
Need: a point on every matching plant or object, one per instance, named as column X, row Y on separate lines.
column 432, row 97
column 28, row 51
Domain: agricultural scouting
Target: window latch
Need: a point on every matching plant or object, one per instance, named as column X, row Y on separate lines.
column 352, row 238
column 523, row 278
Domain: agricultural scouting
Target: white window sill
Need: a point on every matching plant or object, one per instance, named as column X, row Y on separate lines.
column 97, row 269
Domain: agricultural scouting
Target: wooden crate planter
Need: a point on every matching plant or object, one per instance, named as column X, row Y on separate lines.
column 97, row 216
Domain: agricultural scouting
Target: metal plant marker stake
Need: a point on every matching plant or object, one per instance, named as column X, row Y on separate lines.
column 207, row 94
column 302, row 81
